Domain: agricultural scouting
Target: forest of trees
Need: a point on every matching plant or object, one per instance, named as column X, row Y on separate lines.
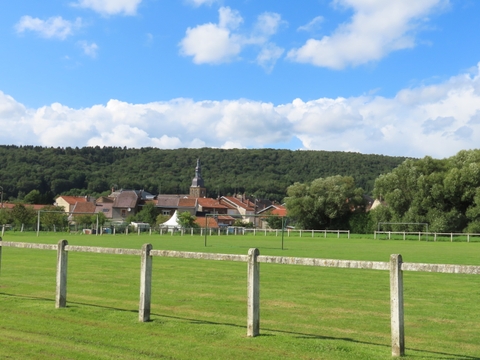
column 264, row 173
column 443, row 193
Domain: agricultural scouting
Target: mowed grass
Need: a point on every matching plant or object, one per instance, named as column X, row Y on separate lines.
column 199, row 307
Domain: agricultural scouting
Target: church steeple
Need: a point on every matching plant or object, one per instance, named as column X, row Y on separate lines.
column 198, row 180
column 198, row 188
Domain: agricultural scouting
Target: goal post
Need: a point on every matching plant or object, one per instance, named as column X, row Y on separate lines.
column 254, row 216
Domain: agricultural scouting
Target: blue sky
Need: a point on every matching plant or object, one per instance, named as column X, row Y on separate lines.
column 397, row 77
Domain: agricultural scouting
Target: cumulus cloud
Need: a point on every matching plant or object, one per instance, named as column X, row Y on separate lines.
column 376, row 29
column 437, row 120
column 214, row 43
column 53, row 27
column 223, row 42
column 89, row 49
column 110, row 7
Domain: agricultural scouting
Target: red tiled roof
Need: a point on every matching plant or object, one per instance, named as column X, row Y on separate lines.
column 278, row 210
column 201, row 221
column 225, row 217
column 188, row 202
column 210, row 203
column 246, row 204
column 34, row 206
column 72, row 200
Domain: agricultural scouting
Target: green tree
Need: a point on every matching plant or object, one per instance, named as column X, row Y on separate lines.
column 242, row 223
column 33, row 197
column 324, row 203
column 102, row 219
column 5, row 216
column 187, row 220
column 274, row 222
column 148, row 214
column 53, row 217
column 442, row 193
column 23, row 215
column 86, row 220
column 161, row 219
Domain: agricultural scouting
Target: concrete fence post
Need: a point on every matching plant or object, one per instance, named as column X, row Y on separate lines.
column 145, row 284
column 62, row 264
column 396, row 305
column 253, row 296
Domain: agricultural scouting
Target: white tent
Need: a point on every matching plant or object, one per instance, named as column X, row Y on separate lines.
column 171, row 223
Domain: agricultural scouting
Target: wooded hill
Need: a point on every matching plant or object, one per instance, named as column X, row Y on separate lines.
column 264, row 173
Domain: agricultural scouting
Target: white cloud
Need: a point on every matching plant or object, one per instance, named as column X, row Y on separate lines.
column 437, row 120
column 110, row 7
column 54, row 27
column 228, row 18
column 214, row 43
column 267, row 25
column 202, row 2
column 223, row 42
column 269, row 55
column 313, row 25
column 89, row 49
column 376, row 28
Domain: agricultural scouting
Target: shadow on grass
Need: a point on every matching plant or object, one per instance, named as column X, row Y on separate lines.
column 423, row 353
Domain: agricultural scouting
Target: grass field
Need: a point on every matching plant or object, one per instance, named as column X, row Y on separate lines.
column 199, row 307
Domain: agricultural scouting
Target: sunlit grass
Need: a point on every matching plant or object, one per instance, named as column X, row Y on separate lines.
column 199, row 307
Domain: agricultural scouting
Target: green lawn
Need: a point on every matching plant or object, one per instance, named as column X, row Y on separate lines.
column 199, row 307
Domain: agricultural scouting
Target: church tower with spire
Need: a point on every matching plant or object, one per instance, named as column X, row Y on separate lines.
column 198, row 190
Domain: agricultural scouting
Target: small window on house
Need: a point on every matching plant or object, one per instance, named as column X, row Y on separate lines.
column 124, row 213
column 166, row 212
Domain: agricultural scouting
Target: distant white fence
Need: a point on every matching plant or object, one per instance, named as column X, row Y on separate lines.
column 428, row 236
column 396, row 266
column 260, row 232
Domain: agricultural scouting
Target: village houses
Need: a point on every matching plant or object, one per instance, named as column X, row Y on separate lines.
column 222, row 211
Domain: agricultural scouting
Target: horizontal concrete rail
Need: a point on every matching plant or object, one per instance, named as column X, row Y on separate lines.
column 102, row 250
column 347, row 264
column 198, row 255
column 28, row 245
column 442, row 268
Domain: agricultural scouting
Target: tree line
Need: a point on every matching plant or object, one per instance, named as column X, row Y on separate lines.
column 445, row 193
column 37, row 174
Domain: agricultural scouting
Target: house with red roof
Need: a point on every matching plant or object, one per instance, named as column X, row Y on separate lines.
column 168, row 204
column 274, row 209
column 207, row 221
column 68, row 202
column 240, row 206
